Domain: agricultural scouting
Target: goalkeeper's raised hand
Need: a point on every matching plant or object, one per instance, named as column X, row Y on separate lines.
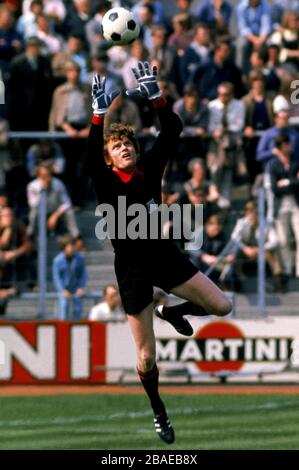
column 147, row 82
column 100, row 99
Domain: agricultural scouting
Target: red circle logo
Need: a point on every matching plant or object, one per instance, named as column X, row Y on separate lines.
column 215, row 334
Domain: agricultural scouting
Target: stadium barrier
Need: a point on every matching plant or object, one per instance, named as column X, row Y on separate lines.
column 52, row 352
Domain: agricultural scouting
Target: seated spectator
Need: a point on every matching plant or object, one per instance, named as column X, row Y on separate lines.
column 284, row 176
column 70, row 277
column 14, row 246
column 259, row 64
column 10, row 39
column 258, row 117
column 279, row 7
column 216, row 14
column 100, row 65
column 52, row 43
column 266, row 146
column 214, row 241
column 70, row 110
column 208, row 76
column 59, row 206
column 26, row 24
column 110, row 309
column 93, row 26
column 197, row 53
column 197, row 169
column 287, row 39
column 30, row 110
column 246, row 231
column 124, row 110
column 181, row 37
column 54, row 9
column 225, row 155
column 73, row 50
column 254, row 24
column 45, row 151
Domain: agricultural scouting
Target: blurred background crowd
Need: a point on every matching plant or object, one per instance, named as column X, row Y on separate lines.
column 228, row 69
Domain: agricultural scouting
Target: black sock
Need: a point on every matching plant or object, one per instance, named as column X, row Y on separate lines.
column 150, row 382
column 186, row 308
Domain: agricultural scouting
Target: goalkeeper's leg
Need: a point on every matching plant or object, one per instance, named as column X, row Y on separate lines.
column 141, row 326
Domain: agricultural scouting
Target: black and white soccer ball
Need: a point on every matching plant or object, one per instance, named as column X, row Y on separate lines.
column 119, row 26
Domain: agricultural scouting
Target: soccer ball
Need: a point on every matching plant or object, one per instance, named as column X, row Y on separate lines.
column 119, row 26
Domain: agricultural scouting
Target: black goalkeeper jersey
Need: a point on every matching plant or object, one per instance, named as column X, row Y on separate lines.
column 145, row 186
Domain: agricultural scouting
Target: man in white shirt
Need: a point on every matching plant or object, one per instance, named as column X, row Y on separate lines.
column 59, row 205
column 110, row 309
column 226, row 122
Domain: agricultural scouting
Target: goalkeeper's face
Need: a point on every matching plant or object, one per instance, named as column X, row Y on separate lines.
column 121, row 154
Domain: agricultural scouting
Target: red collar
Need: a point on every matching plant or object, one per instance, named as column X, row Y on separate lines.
column 127, row 177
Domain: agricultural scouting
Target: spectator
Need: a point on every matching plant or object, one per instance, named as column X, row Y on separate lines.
column 10, row 39
column 208, row 76
column 146, row 19
column 266, row 145
column 70, row 277
column 284, row 175
column 138, row 53
column 214, row 241
column 26, row 25
column 287, row 39
column 196, row 167
column 198, row 52
column 215, row 14
column 159, row 16
column 12, row 173
column 195, row 117
column 166, row 55
column 248, row 250
column 278, row 7
column 52, row 43
column 110, row 309
column 77, row 18
column 225, row 155
column 31, row 71
column 100, row 65
column 258, row 117
column 45, row 151
column 54, row 9
column 74, row 51
column 59, row 206
column 70, row 110
column 124, row 110
column 93, row 27
column 254, row 24
column 14, row 246
column 181, row 37
column 258, row 62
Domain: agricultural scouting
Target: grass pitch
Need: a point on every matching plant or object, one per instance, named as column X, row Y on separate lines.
column 117, row 422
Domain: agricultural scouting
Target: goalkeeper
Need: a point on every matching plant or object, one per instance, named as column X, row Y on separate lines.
column 117, row 169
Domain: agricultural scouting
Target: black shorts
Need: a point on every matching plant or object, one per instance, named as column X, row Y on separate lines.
column 160, row 264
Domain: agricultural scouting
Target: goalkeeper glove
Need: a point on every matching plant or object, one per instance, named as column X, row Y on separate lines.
column 100, row 99
column 147, row 82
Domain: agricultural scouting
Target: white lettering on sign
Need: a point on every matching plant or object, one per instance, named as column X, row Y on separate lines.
column 80, row 357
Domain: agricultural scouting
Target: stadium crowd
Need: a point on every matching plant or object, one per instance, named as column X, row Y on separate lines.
column 227, row 68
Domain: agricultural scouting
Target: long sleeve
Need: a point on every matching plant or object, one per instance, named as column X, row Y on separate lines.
column 94, row 164
column 166, row 142
column 265, row 146
column 57, row 279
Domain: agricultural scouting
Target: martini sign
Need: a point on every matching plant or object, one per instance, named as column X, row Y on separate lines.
column 223, row 346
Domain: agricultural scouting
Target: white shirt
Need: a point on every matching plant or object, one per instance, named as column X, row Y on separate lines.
column 235, row 115
column 57, row 197
column 102, row 312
